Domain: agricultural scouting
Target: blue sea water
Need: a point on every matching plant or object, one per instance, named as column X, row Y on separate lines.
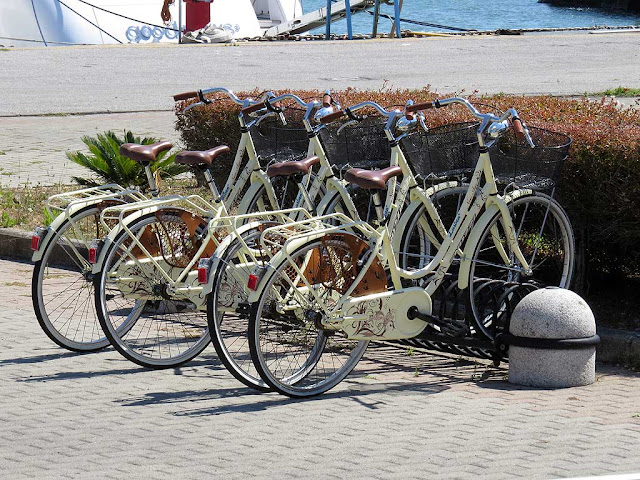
column 483, row 15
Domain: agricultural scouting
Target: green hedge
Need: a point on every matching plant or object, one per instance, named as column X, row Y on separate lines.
column 599, row 188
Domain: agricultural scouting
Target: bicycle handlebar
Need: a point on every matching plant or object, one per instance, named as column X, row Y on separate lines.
column 350, row 112
column 487, row 118
column 332, row 117
column 185, row 96
column 519, row 128
column 203, row 100
column 291, row 96
column 252, row 108
column 419, row 106
column 272, row 104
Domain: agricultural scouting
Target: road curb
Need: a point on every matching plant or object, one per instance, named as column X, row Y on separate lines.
column 617, row 346
column 15, row 244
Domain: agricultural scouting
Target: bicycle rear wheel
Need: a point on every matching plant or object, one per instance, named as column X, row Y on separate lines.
column 62, row 287
column 291, row 349
column 140, row 315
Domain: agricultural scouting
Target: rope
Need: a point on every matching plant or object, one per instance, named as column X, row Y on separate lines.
column 128, row 18
column 85, row 18
column 423, row 24
column 38, row 22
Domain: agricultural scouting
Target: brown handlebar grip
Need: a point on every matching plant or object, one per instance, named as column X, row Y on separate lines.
column 326, row 100
column 332, row 117
column 185, row 96
column 252, row 108
column 420, row 106
column 519, row 128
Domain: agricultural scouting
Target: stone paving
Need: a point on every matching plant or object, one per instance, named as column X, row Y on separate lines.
column 64, row 415
column 32, row 149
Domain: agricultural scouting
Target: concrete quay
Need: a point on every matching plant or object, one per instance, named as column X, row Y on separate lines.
column 137, row 78
column 398, row 415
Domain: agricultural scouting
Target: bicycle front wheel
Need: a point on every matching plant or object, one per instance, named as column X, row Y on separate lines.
column 140, row 315
column 62, row 287
column 227, row 309
column 496, row 281
column 291, row 349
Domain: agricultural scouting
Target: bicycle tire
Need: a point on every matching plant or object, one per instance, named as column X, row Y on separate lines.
column 229, row 332
column 229, row 326
column 62, row 288
column 546, row 239
column 290, row 352
column 165, row 332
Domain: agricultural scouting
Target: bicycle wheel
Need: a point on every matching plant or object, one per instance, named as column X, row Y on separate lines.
column 227, row 309
column 62, row 287
column 361, row 202
column 287, row 195
column 290, row 348
column 141, row 316
column 421, row 238
column 545, row 237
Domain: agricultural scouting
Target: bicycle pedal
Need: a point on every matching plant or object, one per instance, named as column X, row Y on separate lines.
column 243, row 309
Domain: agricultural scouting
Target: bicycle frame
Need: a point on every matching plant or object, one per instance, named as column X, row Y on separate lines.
column 182, row 282
column 464, row 228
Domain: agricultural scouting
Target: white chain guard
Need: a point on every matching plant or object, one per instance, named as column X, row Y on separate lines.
column 383, row 316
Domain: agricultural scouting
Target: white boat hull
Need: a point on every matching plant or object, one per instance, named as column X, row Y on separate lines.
column 49, row 22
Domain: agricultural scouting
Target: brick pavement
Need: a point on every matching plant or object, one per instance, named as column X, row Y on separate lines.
column 64, row 415
column 32, row 149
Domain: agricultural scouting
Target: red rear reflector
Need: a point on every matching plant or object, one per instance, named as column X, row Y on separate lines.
column 252, row 284
column 202, row 275
column 35, row 242
column 93, row 252
column 203, row 270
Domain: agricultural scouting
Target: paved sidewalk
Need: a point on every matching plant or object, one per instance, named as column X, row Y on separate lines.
column 32, row 149
column 64, row 415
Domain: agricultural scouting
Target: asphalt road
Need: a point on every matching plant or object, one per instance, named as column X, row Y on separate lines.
column 142, row 78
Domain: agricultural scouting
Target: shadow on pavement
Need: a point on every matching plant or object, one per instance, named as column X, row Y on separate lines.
column 40, row 358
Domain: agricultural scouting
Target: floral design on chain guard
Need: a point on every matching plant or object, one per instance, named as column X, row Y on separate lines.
column 384, row 316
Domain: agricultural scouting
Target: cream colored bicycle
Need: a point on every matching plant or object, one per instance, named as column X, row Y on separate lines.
column 349, row 138
column 148, row 298
column 329, row 291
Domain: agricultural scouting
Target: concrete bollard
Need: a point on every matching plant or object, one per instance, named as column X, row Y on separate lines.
column 552, row 340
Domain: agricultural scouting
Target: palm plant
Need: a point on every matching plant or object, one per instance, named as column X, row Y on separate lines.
column 109, row 166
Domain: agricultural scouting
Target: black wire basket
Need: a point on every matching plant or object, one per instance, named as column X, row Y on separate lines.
column 448, row 151
column 277, row 142
column 538, row 168
column 360, row 144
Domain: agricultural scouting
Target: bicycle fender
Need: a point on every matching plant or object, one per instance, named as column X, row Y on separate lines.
column 325, row 201
column 258, row 180
column 254, row 295
column 52, row 230
column 220, row 250
column 57, row 222
column 283, row 255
